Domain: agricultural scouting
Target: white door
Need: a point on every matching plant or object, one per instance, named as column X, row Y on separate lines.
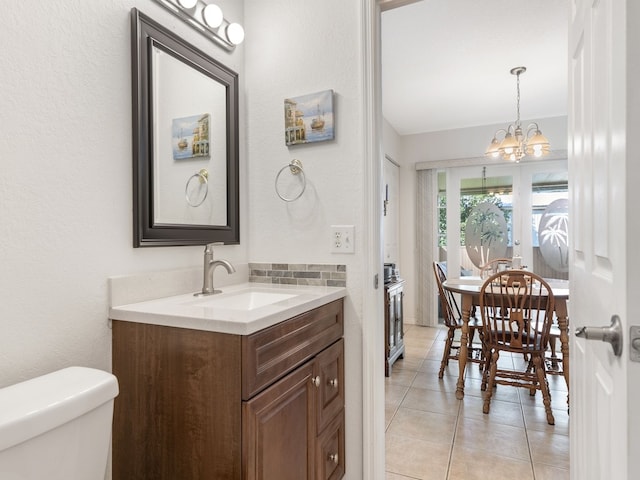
column 604, row 176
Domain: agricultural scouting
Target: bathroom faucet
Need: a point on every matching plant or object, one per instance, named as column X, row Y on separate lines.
column 209, row 266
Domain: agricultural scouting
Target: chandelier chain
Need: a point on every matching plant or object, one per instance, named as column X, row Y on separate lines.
column 518, row 100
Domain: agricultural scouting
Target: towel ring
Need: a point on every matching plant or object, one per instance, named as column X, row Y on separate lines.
column 295, row 166
column 203, row 178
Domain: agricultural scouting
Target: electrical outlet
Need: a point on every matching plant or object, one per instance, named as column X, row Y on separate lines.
column 342, row 239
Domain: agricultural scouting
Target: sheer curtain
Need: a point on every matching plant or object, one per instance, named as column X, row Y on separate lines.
column 426, row 245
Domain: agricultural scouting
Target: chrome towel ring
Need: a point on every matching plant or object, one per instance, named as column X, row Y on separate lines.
column 202, row 186
column 295, row 167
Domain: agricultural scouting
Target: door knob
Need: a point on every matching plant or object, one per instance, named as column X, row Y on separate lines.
column 611, row 334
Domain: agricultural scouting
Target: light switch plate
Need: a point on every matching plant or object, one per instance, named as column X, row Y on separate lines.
column 342, row 239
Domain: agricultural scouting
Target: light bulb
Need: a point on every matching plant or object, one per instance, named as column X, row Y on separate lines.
column 212, row 15
column 235, row 33
column 188, row 3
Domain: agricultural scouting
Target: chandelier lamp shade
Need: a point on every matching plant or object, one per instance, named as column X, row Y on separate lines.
column 518, row 142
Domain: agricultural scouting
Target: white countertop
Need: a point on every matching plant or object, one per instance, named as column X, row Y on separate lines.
column 209, row 313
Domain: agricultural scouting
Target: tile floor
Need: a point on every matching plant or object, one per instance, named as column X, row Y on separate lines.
column 432, row 436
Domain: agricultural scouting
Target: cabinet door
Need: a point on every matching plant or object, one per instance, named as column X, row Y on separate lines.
column 398, row 317
column 279, row 429
column 392, row 320
column 330, row 380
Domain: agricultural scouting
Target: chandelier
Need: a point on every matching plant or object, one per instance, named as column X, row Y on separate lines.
column 515, row 143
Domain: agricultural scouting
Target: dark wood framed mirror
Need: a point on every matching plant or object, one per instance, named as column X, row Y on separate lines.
column 185, row 141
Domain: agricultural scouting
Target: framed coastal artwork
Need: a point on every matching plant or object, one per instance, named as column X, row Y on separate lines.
column 190, row 136
column 309, row 118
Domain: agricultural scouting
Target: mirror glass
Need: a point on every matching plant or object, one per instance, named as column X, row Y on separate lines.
column 185, row 142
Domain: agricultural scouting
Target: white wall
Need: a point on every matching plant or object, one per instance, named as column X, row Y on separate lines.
column 292, row 49
column 394, row 146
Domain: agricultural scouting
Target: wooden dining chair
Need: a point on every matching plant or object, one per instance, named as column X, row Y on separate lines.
column 493, row 266
column 517, row 312
column 452, row 316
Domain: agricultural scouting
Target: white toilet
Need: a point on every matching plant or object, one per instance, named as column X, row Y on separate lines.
column 57, row 426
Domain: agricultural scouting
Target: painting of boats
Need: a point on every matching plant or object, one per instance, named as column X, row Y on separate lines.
column 190, row 136
column 309, row 118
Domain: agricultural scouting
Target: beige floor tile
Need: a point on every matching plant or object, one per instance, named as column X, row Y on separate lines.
column 400, row 377
column 431, row 401
column 536, row 419
column 415, row 352
column 424, row 343
column 417, row 331
column 415, row 458
column 504, row 440
column 394, row 394
column 413, row 363
column 431, row 381
column 395, row 476
column 548, row 472
column 433, row 367
column 558, row 399
column 430, row 426
column 549, row 449
column 389, row 413
column 502, row 413
column 469, row 464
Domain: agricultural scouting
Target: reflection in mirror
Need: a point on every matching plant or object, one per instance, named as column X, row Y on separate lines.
column 185, row 141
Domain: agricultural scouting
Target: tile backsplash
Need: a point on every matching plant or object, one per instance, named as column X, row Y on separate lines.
column 299, row 274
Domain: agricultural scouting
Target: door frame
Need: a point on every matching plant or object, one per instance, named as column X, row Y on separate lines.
column 373, row 412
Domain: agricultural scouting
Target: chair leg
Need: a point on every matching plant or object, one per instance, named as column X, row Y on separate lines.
column 544, row 386
column 485, row 366
column 554, row 357
column 492, row 379
column 472, row 333
column 447, row 352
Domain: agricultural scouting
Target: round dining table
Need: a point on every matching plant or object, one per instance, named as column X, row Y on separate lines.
column 469, row 290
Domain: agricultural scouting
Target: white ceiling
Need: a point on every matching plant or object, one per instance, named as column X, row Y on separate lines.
column 446, row 63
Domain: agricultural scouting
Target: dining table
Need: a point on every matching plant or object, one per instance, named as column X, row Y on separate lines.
column 469, row 288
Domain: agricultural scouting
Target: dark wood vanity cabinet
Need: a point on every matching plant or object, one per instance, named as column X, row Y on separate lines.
column 205, row 405
column 393, row 324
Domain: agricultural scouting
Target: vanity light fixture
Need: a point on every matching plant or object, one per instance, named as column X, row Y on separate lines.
column 515, row 144
column 207, row 18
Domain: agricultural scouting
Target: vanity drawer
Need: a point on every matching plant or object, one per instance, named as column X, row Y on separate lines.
column 271, row 353
column 329, row 461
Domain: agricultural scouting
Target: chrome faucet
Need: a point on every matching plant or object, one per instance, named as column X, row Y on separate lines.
column 209, row 266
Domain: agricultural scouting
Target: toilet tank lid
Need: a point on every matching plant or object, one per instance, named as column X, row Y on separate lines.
column 40, row 404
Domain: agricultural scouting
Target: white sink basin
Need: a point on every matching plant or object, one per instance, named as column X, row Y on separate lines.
column 245, row 301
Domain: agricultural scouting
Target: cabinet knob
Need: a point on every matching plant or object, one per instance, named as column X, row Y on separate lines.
column 316, row 381
column 333, row 383
column 333, row 457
